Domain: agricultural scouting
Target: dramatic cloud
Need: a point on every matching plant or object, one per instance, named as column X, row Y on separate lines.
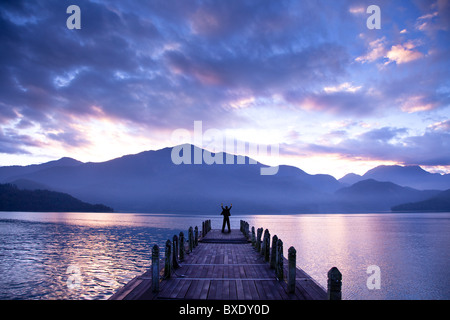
column 137, row 70
column 393, row 144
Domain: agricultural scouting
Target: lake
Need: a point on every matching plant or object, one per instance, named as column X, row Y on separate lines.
column 91, row 255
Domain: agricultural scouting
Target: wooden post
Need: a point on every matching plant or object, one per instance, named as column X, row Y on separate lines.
column 155, row 268
column 279, row 261
column 292, row 268
column 175, row 252
column 168, row 260
column 203, row 229
column 263, row 242
column 191, row 239
column 182, row 247
column 247, row 230
column 266, row 246
column 273, row 255
column 253, row 237
column 258, row 239
column 334, row 284
column 195, row 236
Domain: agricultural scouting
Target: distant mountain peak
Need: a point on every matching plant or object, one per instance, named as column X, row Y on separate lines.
column 68, row 161
column 396, row 169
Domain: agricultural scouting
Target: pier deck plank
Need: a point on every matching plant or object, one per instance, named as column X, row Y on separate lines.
column 223, row 266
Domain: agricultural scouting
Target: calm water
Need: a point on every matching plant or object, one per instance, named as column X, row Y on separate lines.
column 90, row 255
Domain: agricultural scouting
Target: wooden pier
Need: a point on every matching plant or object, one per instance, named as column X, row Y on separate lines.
column 240, row 265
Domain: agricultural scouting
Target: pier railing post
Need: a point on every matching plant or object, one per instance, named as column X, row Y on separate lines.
column 182, row 246
column 279, row 260
column 266, row 246
column 168, row 260
column 155, row 268
column 191, row 239
column 247, row 230
column 263, row 242
column 334, row 284
column 195, row 236
column 273, row 255
column 253, row 237
column 175, row 252
column 292, row 268
column 258, row 239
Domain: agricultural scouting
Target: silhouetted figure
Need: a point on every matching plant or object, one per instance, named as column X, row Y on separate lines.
column 226, row 217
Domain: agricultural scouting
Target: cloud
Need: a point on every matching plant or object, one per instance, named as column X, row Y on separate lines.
column 357, row 10
column 160, row 65
column 399, row 53
column 417, row 103
column 343, row 87
column 14, row 143
column 392, row 144
column 403, row 53
column 377, row 50
column 342, row 101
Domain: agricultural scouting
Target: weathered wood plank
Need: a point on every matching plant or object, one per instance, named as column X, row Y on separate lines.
column 229, row 268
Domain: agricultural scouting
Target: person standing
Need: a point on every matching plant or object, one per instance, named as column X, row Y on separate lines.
column 226, row 217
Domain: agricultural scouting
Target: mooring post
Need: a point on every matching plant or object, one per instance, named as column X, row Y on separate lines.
column 195, row 236
column 155, row 268
column 263, row 242
column 273, row 255
column 182, row 246
column 191, row 239
column 247, row 230
column 258, row 239
column 292, row 269
column 203, row 229
column 334, row 284
column 175, row 252
column 168, row 260
column 279, row 261
column 253, row 237
column 266, row 246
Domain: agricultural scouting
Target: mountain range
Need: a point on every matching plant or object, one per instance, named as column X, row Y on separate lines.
column 407, row 176
column 150, row 182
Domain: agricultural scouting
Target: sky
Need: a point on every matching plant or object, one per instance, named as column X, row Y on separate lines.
column 307, row 76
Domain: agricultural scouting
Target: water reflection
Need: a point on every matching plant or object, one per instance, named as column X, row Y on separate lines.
column 35, row 257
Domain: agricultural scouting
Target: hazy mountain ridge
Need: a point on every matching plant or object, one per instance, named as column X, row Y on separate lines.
column 372, row 195
column 440, row 202
column 150, row 182
column 13, row 198
column 407, row 176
